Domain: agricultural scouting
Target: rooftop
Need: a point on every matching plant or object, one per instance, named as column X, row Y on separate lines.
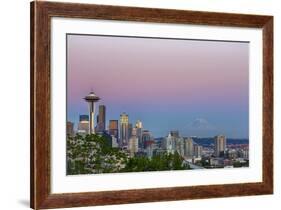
column 92, row 97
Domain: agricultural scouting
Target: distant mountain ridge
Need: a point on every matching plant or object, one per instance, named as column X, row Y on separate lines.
column 207, row 141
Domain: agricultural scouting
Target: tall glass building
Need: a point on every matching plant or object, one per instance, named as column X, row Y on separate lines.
column 124, row 129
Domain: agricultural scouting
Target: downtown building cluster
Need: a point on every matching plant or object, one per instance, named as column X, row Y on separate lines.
column 137, row 141
column 122, row 134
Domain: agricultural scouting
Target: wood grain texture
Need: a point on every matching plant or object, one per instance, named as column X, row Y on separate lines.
column 41, row 14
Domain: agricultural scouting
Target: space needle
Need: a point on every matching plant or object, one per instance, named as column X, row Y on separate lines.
column 91, row 98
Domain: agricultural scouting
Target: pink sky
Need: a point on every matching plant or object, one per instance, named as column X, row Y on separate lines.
column 148, row 73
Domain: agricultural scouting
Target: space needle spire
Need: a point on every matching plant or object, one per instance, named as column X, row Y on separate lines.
column 92, row 98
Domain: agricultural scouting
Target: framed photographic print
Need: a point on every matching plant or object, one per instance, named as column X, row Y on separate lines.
column 141, row 105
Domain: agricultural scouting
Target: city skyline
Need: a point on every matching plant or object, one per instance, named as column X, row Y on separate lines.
column 129, row 147
column 170, row 96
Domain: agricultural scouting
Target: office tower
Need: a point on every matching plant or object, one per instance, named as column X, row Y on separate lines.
column 179, row 145
column 133, row 143
column 113, row 128
column 198, row 150
column 174, row 143
column 83, row 125
column 146, row 136
column 188, row 147
column 124, row 129
column 168, row 143
column 70, row 129
column 220, row 145
column 101, row 119
column 92, row 98
column 139, row 132
column 130, row 129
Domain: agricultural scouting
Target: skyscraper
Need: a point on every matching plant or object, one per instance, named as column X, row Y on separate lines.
column 139, row 132
column 130, row 129
column 124, row 129
column 220, row 145
column 83, row 125
column 133, row 142
column 188, row 147
column 179, row 145
column 146, row 136
column 174, row 143
column 101, row 118
column 113, row 128
column 70, row 128
column 168, row 143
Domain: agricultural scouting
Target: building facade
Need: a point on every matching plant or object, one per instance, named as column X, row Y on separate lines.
column 188, row 147
column 133, row 143
column 124, row 129
column 174, row 143
column 139, row 132
column 113, row 128
column 179, row 145
column 83, row 125
column 146, row 136
column 220, row 145
column 175, row 133
column 114, row 142
column 83, row 117
column 101, row 118
column 197, row 151
column 168, row 143
column 130, row 130
column 70, row 129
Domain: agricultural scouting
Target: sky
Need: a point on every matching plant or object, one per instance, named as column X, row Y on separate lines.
column 198, row 87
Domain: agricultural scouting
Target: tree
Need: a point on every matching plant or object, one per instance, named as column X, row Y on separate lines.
column 161, row 162
column 93, row 154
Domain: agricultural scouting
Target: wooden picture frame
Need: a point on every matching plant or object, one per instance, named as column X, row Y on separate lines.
column 41, row 14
